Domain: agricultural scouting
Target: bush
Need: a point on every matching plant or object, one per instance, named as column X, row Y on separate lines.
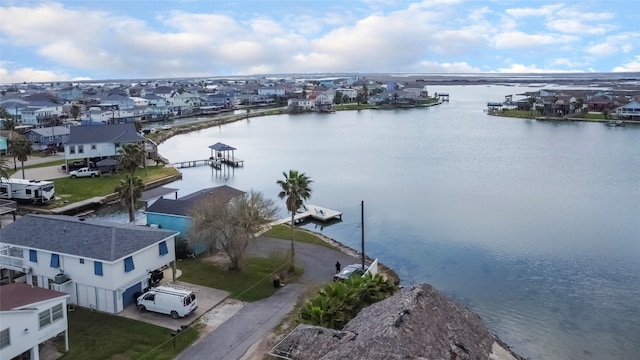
column 183, row 250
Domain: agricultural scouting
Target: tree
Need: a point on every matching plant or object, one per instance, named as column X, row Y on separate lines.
column 131, row 157
column 129, row 191
column 230, row 224
column 296, row 188
column 5, row 168
column 74, row 111
column 9, row 124
column 21, row 150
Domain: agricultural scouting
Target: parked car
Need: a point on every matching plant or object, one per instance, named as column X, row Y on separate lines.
column 175, row 301
column 349, row 271
column 166, row 127
column 84, row 172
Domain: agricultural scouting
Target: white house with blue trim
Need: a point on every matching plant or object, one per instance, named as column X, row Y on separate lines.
column 101, row 265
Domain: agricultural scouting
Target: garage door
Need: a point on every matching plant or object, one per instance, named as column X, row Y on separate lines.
column 128, row 297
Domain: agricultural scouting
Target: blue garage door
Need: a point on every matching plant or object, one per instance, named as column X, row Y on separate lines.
column 129, row 296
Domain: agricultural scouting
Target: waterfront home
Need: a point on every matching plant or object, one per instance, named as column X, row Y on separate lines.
column 300, row 105
column 101, row 265
column 29, row 316
column 175, row 214
column 96, row 142
column 629, row 111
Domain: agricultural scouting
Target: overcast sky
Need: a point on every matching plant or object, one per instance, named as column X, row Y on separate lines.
column 106, row 39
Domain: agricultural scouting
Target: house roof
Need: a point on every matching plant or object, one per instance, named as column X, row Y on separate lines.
column 416, row 323
column 113, row 133
column 88, row 238
column 20, row 295
column 184, row 205
column 51, row 131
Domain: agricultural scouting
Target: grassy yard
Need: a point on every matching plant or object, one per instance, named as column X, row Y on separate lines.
column 522, row 114
column 97, row 335
column 254, row 283
column 70, row 190
column 284, row 232
column 594, row 116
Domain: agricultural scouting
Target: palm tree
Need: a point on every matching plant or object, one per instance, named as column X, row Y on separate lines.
column 129, row 191
column 5, row 168
column 9, row 124
column 131, row 157
column 21, row 150
column 296, row 189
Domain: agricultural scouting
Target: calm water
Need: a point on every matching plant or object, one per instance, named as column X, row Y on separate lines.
column 534, row 225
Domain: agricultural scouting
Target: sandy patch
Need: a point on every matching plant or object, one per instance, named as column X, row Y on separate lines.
column 219, row 314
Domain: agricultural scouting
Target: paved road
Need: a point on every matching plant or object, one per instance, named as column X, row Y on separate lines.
column 234, row 337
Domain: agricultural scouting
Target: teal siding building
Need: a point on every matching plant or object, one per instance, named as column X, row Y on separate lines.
column 176, row 214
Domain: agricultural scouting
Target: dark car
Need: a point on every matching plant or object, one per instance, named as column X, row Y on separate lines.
column 348, row 271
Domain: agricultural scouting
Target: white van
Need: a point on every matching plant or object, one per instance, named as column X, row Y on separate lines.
column 175, row 301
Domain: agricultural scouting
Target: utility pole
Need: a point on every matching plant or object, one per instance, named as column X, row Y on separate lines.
column 362, row 229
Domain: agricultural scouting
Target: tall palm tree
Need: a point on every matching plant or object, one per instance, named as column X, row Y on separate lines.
column 21, row 150
column 296, row 188
column 129, row 191
column 131, row 157
column 9, row 124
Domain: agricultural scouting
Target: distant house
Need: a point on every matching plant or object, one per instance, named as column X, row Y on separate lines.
column 176, row 214
column 29, row 316
column 300, row 105
column 101, row 265
column 40, row 115
column 96, row 142
column 42, row 138
column 630, row 110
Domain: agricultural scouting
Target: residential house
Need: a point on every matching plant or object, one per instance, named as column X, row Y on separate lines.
column 70, row 93
column 40, row 115
column 300, row 105
column 47, row 137
column 271, row 91
column 629, row 111
column 352, row 94
column 29, row 316
column 101, row 265
column 176, row 214
column 96, row 142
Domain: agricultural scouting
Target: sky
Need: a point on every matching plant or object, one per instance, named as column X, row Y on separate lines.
column 75, row 40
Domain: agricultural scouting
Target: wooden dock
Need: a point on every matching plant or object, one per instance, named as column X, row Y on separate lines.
column 311, row 211
column 191, row 163
column 233, row 162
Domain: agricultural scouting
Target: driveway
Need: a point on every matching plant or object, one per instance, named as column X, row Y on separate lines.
column 233, row 338
column 207, row 297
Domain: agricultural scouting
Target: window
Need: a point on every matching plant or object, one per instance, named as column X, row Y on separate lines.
column 97, row 268
column 93, row 146
column 5, row 338
column 55, row 261
column 117, row 145
column 33, row 256
column 72, row 149
column 80, row 149
column 27, row 191
column 45, row 318
column 81, row 261
column 56, row 312
column 50, row 138
column 128, row 264
column 163, row 248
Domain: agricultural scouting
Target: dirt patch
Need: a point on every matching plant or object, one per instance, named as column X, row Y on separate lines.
column 219, row 259
column 219, row 314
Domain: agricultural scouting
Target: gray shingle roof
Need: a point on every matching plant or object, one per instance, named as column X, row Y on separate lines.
column 183, row 205
column 85, row 134
column 93, row 239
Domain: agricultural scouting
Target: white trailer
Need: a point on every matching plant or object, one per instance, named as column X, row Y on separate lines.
column 27, row 191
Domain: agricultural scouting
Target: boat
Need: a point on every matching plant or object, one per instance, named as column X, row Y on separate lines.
column 614, row 123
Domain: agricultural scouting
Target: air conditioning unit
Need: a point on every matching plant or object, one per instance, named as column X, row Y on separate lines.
column 27, row 269
column 60, row 279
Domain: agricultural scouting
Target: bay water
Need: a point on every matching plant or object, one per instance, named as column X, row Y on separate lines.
column 533, row 224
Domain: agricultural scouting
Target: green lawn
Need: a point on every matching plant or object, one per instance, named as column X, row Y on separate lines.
column 594, row 116
column 70, row 190
column 522, row 114
column 284, row 232
column 254, row 283
column 97, row 335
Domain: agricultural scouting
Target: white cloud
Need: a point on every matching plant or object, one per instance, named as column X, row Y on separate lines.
column 451, row 68
column 574, row 26
column 30, row 75
column 631, row 66
column 528, row 12
column 520, row 40
column 534, row 69
column 611, row 45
